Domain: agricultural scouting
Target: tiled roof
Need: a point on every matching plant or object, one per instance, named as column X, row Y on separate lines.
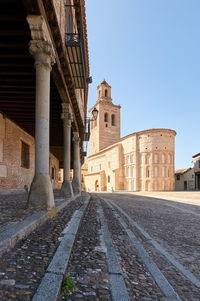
column 182, row 171
column 196, row 155
column 104, row 82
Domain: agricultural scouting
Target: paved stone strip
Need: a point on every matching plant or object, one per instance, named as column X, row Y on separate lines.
column 87, row 265
column 185, row 272
column 22, row 268
column 118, row 287
column 49, row 287
column 140, row 285
column 158, row 276
column 18, row 231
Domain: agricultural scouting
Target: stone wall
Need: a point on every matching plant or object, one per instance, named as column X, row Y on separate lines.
column 196, row 161
column 109, row 133
column 105, row 130
column 54, row 171
column 188, row 177
column 107, row 164
column 12, row 174
column 156, row 160
column 142, row 161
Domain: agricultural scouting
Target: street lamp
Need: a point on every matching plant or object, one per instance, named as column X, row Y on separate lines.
column 94, row 114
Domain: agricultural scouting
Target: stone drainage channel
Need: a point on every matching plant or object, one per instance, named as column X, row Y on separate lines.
column 101, row 253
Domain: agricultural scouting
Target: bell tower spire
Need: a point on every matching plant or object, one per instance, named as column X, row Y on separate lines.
column 106, row 129
column 104, row 91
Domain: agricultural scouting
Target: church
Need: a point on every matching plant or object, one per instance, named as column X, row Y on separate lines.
column 141, row 161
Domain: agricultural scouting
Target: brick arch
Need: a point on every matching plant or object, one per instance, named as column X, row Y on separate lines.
column 106, row 117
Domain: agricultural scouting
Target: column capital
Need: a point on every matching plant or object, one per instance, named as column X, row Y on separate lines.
column 66, row 114
column 76, row 138
column 41, row 44
column 43, row 53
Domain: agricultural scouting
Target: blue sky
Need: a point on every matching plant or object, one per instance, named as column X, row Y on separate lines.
column 149, row 52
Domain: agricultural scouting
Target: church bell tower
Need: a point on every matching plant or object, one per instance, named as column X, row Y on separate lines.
column 106, row 129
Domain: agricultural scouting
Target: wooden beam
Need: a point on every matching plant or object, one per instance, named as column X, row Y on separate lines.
column 17, row 80
column 15, row 72
column 14, row 32
column 16, row 56
column 10, row 17
column 14, row 86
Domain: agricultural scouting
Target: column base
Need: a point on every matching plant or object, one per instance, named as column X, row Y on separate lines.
column 66, row 189
column 41, row 193
column 76, row 186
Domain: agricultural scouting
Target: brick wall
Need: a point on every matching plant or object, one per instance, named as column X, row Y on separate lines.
column 12, row 174
column 143, row 161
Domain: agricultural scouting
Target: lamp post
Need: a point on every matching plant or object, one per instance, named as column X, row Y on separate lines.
column 94, row 114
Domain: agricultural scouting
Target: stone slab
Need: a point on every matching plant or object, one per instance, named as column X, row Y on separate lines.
column 158, row 276
column 112, row 260
column 168, row 256
column 60, row 260
column 49, row 288
column 58, row 265
column 118, row 288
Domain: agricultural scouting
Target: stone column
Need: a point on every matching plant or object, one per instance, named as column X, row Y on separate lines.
column 66, row 189
column 76, row 182
column 41, row 192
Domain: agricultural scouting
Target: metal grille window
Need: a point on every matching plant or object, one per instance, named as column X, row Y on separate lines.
column 25, row 155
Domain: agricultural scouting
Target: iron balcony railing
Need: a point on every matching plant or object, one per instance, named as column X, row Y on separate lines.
column 76, row 57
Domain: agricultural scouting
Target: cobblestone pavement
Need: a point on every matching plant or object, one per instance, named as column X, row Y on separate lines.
column 177, row 231
column 13, row 208
column 187, row 195
column 186, row 199
column 88, row 264
column 139, row 283
column 21, row 268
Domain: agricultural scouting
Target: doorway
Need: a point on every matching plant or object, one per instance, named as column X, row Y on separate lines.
column 198, row 181
column 96, row 185
column 185, row 185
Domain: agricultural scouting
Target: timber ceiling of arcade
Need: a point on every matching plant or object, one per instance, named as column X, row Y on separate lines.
column 17, row 73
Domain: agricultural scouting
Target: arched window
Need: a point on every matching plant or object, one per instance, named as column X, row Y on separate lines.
column 106, row 93
column 148, row 172
column 99, row 93
column 106, row 117
column 113, row 119
column 108, row 179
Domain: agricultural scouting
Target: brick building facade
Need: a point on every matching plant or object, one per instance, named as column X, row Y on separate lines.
column 141, row 161
column 17, row 157
column 43, row 94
